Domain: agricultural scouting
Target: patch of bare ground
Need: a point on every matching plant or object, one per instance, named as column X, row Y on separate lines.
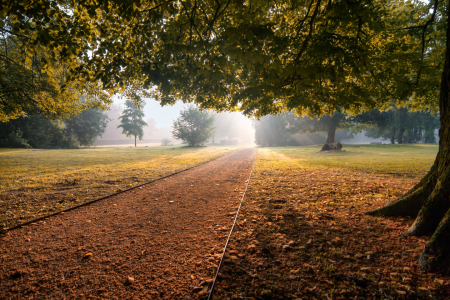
column 161, row 241
column 302, row 234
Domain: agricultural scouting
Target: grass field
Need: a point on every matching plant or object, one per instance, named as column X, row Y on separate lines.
column 404, row 160
column 37, row 182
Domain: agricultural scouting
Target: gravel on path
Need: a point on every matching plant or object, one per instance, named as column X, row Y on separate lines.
column 160, row 241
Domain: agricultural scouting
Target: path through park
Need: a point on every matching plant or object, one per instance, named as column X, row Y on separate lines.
column 159, row 241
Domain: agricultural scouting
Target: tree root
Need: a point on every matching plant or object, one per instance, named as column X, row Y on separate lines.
column 410, row 203
column 436, row 255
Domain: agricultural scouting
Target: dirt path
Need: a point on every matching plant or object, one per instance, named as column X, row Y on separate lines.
column 137, row 244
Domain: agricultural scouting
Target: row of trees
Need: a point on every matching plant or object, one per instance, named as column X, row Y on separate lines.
column 82, row 129
column 395, row 125
column 38, row 131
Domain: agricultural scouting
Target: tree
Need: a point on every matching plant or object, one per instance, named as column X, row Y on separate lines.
column 131, row 121
column 36, row 131
column 86, row 126
column 280, row 130
column 400, row 125
column 31, row 82
column 328, row 124
column 193, row 127
column 271, row 131
column 266, row 57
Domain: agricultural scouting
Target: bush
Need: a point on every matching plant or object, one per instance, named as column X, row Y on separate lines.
column 193, row 127
column 14, row 140
column 229, row 142
column 166, row 142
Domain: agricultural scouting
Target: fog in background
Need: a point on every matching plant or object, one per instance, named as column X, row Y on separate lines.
column 360, row 138
column 231, row 128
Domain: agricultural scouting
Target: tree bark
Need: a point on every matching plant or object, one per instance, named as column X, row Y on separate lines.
column 393, row 135
column 135, row 141
column 400, row 135
column 429, row 200
column 331, row 133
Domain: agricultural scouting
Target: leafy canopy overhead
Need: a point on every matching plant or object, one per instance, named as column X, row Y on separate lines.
column 266, row 56
column 38, row 57
column 256, row 56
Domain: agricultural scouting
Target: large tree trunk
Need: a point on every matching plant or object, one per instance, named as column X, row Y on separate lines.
column 331, row 133
column 135, row 141
column 429, row 200
column 400, row 135
column 393, row 135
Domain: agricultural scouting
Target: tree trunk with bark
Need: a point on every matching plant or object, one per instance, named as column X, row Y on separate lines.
column 429, row 200
column 135, row 141
column 393, row 135
column 331, row 133
column 401, row 131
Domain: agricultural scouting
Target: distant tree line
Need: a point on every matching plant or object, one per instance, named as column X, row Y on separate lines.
column 397, row 125
column 82, row 129
column 400, row 125
column 37, row 131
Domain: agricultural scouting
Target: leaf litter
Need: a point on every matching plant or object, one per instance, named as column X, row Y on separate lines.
column 135, row 245
column 303, row 234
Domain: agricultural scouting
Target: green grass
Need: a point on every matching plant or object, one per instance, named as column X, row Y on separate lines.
column 403, row 160
column 35, row 182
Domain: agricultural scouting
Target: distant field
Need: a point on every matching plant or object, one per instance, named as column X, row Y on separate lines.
column 403, row 160
column 37, row 182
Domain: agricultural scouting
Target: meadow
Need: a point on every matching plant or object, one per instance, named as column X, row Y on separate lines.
column 412, row 160
column 36, row 182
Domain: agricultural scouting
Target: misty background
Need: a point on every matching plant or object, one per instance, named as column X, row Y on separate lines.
column 230, row 127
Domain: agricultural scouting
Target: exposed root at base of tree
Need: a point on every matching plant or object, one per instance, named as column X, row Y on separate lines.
column 410, row 203
column 428, row 202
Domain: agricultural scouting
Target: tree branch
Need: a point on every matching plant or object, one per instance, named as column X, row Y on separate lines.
column 157, row 6
column 192, row 21
column 425, row 26
column 311, row 28
column 380, row 84
column 304, row 19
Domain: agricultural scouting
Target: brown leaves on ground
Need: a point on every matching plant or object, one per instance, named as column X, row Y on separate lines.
column 303, row 234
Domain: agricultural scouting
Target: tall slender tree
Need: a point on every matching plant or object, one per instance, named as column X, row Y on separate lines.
column 131, row 121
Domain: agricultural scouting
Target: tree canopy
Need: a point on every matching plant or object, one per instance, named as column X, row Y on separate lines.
column 87, row 126
column 259, row 57
column 39, row 53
